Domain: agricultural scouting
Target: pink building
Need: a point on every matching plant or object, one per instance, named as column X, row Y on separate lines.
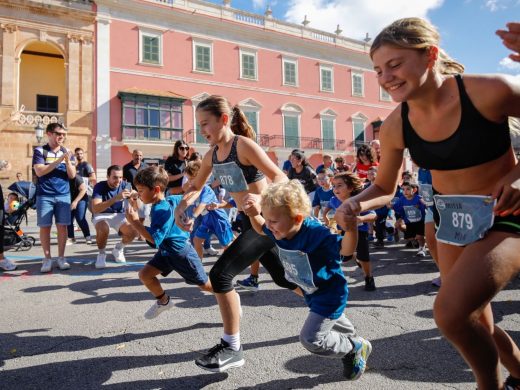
column 299, row 87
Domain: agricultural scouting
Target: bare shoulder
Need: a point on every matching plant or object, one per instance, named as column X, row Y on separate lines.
column 495, row 106
column 391, row 132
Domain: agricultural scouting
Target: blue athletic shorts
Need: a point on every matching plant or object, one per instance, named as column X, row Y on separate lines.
column 186, row 262
column 213, row 224
column 48, row 206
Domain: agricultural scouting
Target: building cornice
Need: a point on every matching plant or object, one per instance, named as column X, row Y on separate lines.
column 248, row 88
column 75, row 10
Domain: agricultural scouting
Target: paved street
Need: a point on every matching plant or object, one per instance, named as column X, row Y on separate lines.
column 84, row 329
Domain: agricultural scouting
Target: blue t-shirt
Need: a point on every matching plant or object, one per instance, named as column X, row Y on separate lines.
column 168, row 237
column 424, row 176
column 56, row 182
column 207, row 196
column 322, row 197
column 286, row 165
column 406, row 209
column 334, row 203
column 318, row 264
column 104, row 192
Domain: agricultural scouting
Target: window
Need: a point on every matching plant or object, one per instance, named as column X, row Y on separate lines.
column 46, row 103
column 357, row 84
column 384, row 96
column 291, row 131
column 202, row 56
column 326, row 78
column 150, row 47
column 290, row 72
column 151, row 117
column 248, row 64
column 359, row 132
column 252, row 118
column 327, row 133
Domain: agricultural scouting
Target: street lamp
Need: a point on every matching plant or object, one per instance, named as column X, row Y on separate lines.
column 38, row 131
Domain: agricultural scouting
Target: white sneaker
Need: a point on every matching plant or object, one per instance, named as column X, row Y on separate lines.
column 70, row 241
column 421, row 252
column 210, row 251
column 101, row 260
column 119, row 255
column 46, row 266
column 157, row 309
column 62, row 264
column 88, row 240
column 7, row 265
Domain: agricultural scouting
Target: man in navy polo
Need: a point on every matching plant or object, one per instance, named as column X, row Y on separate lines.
column 54, row 165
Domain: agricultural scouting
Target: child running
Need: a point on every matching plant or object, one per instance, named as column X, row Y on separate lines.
column 175, row 252
column 324, row 192
column 214, row 220
column 348, row 184
column 311, row 256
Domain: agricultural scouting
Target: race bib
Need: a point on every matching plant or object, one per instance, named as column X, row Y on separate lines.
column 297, row 269
column 231, row 176
column 413, row 214
column 426, row 191
column 464, row 218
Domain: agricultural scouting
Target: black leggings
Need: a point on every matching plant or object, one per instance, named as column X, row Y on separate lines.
column 248, row 247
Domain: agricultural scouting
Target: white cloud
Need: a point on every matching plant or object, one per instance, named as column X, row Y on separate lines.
column 510, row 65
column 261, row 5
column 492, row 5
column 356, row 17
column 497, row 5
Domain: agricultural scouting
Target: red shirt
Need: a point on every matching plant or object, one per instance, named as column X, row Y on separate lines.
column 362, row 169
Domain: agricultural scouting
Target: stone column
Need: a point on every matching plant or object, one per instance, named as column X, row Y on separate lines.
column 73, row 72
column 9, row 78
column 86, row 75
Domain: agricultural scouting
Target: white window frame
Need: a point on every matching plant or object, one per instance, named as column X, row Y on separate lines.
column 251, row 105
column 292, row 110
column 154, row 34
column 202, row 43
column 359, row 118
column 356, row 74
column 383, row 95
column 250, row 52
column 329, row 68
column 328, row 115
column 290, row 61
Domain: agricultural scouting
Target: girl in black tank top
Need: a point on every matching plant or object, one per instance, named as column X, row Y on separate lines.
column 457, row 128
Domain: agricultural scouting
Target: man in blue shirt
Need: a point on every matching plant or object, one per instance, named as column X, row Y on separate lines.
column 108, row 211
column 54, row 165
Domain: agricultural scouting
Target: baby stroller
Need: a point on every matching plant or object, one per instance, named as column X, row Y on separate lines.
column 14, row 237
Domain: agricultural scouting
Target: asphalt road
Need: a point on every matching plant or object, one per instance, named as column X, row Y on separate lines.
column 84, row 328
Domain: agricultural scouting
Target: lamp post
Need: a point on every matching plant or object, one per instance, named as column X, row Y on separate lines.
column 38, row 131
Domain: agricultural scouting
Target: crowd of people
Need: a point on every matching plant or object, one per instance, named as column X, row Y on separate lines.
column 301, row 224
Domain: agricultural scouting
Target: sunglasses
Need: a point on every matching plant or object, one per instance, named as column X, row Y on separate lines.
column 184, row 148
column 59, row 134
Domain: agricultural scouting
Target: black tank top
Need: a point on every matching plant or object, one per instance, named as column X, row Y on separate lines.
column 476, row 141
column 251, row 173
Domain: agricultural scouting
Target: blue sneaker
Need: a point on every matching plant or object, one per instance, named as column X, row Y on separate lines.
column 250, row 283
column 371, row 238
column 355, row 362
column 390, row 238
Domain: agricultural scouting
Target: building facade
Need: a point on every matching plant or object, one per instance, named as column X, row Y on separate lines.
column 47, row 70
column 299, row 87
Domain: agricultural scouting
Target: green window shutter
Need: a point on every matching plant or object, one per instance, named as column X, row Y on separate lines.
column 252, row 119
column 328, row 133
column 290, row 73
column 291, row 131
column 203, row 58
column 326, row 80
column 248, row 66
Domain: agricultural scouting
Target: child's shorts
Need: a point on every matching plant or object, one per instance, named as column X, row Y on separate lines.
column 414, row 229
column 362, row 251
column 186, row 262
column 212, row 223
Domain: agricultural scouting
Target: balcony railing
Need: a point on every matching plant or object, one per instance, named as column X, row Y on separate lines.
column 279, row 141
column 31, row 118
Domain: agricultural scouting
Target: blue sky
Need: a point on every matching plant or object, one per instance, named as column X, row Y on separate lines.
column 467, row 27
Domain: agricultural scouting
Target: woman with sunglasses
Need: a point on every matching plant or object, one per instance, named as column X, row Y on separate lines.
column 175, row 165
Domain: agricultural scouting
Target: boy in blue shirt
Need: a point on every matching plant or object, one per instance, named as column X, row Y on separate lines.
column 175, row 252
column 323, row 193
column 410, row 211
column 311, row 256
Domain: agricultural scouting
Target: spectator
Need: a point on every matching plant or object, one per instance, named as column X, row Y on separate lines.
column 376, row 147
column 287, row 164
column 129, row 172
column 84, row 169
column 53, row 165
column 78, row 209
column 19, row 176
column 5, row 264
column 302, row 171
column 109, row 212
column 175, row 165
column 340, row 165
column 327, row 164
column 365, row 160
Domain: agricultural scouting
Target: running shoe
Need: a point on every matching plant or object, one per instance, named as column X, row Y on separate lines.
column 355, row 362
column 221, row 358
column 101, row 261
column 157, row 308
column 370, row 284
column 210, row 251
column 7, row 265
column 88, row 240
column 250, row 283
column 46, row 266
column 119, row 255
column 63, row 264
column 437, row 282
column 421, row 253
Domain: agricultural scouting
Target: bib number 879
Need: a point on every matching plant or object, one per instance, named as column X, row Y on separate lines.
column 462, row 220
column 226, row 180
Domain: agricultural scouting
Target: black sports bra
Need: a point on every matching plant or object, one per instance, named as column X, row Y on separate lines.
column 251, row 173
column 477, row 140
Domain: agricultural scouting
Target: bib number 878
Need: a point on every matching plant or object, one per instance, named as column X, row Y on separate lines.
column 462, row 220
column 226, row 180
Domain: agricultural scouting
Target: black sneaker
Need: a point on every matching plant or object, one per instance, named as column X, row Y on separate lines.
column 370, row 284
column 220, row 358
column 409, row 244
column 379, row 244
column 355, row 362
column 511, row 383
